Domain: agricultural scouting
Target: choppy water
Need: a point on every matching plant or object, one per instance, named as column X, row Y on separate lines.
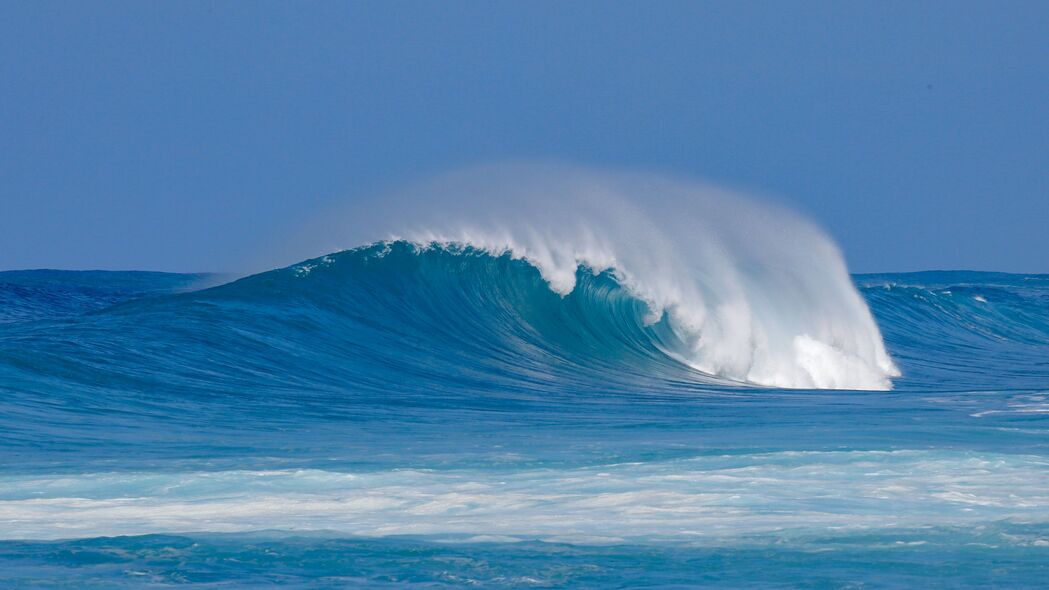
column 404, row 416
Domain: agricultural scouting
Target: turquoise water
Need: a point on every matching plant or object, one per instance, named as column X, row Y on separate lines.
column 402, row 416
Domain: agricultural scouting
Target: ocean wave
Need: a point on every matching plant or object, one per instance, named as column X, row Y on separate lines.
column 545, row 272
column 756, row 293
column 504, row 304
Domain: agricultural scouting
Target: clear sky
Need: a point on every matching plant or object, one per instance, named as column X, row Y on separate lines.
column 179, row 135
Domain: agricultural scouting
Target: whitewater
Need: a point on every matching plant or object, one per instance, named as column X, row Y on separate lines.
column 528, row 376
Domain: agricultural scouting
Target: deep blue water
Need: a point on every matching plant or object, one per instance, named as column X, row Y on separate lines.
column 393, row 417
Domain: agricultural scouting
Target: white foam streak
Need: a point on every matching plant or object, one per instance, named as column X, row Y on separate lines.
column 712, row 497
column 760, row 294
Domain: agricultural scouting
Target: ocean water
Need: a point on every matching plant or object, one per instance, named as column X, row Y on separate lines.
column 440, row 415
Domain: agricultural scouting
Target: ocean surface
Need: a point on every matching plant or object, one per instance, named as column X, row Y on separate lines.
column 433, row 415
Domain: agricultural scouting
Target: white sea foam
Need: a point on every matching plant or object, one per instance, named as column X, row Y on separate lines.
column 759, row 294
column 708, row 497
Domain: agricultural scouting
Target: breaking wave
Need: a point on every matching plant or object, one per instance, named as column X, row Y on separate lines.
column 748, row 291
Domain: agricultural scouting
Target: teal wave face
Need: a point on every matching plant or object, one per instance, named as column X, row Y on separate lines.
column 441, row 313
column 379, row 319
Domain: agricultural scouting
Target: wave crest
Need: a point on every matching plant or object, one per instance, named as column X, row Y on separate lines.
column 757, row 293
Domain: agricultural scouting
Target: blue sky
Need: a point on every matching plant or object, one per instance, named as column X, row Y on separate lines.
column 182, row 135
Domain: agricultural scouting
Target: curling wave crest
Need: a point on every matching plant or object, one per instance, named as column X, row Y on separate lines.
column 750, row 291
